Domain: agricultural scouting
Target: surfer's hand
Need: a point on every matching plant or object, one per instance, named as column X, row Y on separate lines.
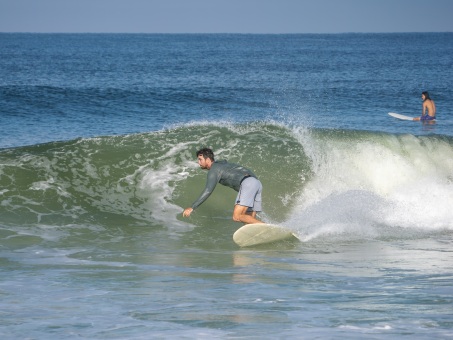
column 187, row 212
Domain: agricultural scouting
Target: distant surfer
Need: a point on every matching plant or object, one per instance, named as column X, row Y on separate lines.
column 235, row 176
column 428, row 108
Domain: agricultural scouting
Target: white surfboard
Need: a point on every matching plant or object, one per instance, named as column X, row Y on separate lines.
column 261, row 233
column 400, row 116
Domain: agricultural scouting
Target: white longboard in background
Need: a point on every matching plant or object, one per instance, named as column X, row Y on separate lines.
column 400, row 116
column 261, row 233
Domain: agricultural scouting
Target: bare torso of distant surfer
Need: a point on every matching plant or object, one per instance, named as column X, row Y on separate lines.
column 428, row 108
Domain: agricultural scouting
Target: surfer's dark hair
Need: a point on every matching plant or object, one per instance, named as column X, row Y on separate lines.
column 206, row 153
column 426, row 94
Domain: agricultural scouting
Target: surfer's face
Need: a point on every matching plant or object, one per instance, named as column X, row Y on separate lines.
column 203, row 162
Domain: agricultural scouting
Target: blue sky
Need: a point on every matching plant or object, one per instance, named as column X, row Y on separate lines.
column 226, row 16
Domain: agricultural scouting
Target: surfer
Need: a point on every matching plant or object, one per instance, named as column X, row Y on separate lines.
column 235, row 176
column 428, row 108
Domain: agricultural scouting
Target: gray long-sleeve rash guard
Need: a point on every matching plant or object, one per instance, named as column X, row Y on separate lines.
column 228, row 174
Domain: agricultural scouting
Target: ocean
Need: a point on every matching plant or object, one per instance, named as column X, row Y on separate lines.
column 97, row 162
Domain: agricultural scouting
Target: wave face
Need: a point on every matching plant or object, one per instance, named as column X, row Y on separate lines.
column 318, row 182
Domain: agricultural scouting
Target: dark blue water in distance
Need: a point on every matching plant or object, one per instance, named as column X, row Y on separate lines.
column 97, row 143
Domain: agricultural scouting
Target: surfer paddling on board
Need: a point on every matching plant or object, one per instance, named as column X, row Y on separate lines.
column 428, row 108
column 235, row 176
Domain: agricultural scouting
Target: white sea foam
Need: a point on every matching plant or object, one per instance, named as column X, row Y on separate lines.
column 387, row 180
